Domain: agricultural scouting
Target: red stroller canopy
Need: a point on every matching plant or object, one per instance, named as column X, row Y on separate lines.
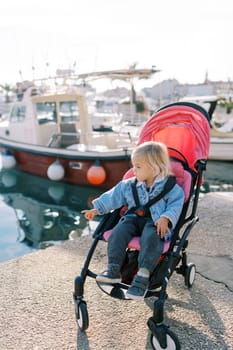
column 181, row 126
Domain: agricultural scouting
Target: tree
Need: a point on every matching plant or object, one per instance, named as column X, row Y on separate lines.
column 7, row 88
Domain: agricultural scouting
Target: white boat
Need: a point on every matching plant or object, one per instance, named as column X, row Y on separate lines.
column 110, row 112
column 49, row 133
column 104, row 113
column 221, row 148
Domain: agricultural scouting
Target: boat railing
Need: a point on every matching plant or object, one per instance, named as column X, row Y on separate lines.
column 110, row 139
column 137, row 119
column 64, row 139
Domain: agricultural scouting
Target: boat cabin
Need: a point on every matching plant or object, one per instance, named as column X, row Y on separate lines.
column 49, row 118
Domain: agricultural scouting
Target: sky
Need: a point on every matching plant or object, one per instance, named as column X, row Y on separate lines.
column 183, row 38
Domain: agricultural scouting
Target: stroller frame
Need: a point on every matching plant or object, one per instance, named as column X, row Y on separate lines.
column 174, row 259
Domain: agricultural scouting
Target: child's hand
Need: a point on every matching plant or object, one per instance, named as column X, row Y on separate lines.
column 162, row 226
column 89, row 214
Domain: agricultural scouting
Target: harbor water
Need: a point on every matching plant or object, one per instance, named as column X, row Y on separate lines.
column 36, row 212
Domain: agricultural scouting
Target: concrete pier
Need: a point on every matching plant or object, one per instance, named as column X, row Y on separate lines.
column 37, row 311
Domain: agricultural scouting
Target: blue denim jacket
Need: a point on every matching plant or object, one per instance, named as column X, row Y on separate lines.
column 169, row 206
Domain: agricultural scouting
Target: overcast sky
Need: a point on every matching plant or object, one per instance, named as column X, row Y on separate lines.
column 183, row 38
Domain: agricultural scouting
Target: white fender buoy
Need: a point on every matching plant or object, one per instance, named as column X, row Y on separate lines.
column 8, row 160
column 56, row 171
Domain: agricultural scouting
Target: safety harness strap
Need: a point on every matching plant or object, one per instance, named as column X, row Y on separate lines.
column 144, row 210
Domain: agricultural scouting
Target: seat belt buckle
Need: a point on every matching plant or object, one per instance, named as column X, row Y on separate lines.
column 141, row 211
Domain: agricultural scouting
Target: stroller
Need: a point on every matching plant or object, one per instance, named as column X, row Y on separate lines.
column 184, row 128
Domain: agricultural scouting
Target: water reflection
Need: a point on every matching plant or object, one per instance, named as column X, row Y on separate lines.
column 46, row 212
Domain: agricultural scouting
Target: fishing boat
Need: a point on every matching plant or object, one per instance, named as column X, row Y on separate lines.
column 49, row 133
column 221, row 124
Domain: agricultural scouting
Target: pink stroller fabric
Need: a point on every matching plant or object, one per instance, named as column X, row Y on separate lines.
column 182, row 128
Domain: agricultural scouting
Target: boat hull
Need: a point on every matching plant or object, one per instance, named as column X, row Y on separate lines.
column 221, row 149
column 36, row 160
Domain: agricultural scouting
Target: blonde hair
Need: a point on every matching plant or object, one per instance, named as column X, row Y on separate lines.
column 155, row 154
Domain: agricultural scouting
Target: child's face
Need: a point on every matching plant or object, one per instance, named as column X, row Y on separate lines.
column 143, row 171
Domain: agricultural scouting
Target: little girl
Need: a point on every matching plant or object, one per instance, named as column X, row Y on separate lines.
column 151, row 167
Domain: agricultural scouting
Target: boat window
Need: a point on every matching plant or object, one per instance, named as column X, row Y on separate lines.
column 46, row 112
column 17, row 113
column 69, row 111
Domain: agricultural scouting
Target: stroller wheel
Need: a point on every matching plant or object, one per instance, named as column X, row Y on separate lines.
column 189, row 275
column 81, row 315
column 172, row 341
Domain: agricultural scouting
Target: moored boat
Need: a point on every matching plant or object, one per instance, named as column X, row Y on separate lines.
column 50, row 135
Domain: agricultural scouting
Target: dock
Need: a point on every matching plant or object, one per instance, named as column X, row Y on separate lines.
column 37, row 310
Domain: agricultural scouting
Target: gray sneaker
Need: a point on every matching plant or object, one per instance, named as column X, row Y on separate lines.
column 111, row 275
column 138, row 288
